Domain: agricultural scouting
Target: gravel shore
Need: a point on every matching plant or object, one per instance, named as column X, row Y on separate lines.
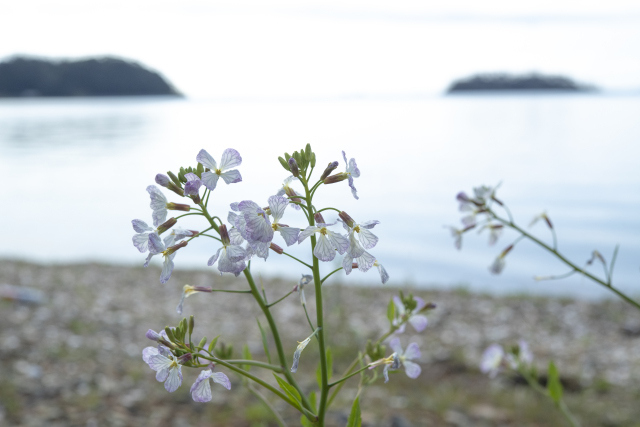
column 75, row 359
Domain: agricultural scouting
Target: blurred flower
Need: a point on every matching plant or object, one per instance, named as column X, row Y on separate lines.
column 328, row 243
column 188, row 290
column 305, row 280
column 492, row 360
column 418, row 321
column 298, row 352
column 542, row 216
column 498, row 264
column 413, row 352
column 230, row 159
column 201, row 388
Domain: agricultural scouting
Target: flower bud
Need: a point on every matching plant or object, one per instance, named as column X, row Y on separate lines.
column 196, row 199
column 330, row 168
column 276, row 248
column 185, row 358
column 152, row 335
column 172, row 249
column 293, row 166
column 163, row 180
column 319, row 219
column 336, row 178
column 166, row 225
column 347, row 219
column 224, row 235
column 173, row 187
column 178, row 207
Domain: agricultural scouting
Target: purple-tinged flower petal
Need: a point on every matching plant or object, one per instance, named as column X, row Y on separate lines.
column 152, row 335
column 148, row 260
column 412, row 370
column 412, row 351
column 289, row 234
column 174, row 380
column 365, row 261
column 158, row 205
column 384, row 276
column 231, row 177
column 162, row 374
column 214, row 258
column 339, row 242
column 141, row 242
column 277, row 205
column 367, row 238
column 354, row 191
column 206, row 160
column 209, row 179
column 235, row 237
column 369, row 224
column 148, row 353
column 140, row 226
column 347, row 264
column 230, row 158
column 167, row 268
column 307, row 232
column 201, row 388
column 222, row 379
column 156, row 245
column 192, row 187
column 324, row 250
column 491, row 360
column 394, row 345
column 162, row 179
column 419, row 322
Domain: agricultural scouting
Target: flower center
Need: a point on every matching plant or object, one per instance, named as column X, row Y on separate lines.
column 323, row 230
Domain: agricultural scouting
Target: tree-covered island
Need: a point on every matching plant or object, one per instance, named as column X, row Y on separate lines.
column 105, row 76
column 526, row 82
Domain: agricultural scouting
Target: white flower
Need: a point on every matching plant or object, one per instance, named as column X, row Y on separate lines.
column 201, row 388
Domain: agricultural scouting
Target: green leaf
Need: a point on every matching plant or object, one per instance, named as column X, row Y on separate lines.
column 202, row 343
column 391, row 312
column 554, row 387
column 265, row 344
column 212, row 344
column 355, row 420
column 289, row 389
column 304, row 422
column 313, row 401
column 329, row 364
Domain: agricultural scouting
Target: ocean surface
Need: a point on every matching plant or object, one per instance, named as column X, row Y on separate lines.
column 75, row 172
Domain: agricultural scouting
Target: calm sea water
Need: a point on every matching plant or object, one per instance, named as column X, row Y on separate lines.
column 75, row 172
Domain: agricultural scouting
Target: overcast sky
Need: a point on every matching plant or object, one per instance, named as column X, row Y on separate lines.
column 335, row 48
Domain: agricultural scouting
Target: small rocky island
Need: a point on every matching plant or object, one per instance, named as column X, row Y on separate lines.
column 507, row 82
column 104, row 76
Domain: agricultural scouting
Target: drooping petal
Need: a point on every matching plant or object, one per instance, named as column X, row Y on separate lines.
column 412, row 369
column 174, row 380
column 231, row 177
column 222, row 379
column 163, row 374
column 167, row 268
column 289, row 234
column 210, row 180
column 365, row 261
column 214, row 258
column 324, row 250
column 206, row 160
column 230, row 159
column 369, row 224
column 236, row 253
column 353, row 188
column 156, row 245
column 201, row 388
column 347, row 264
column 384, row 276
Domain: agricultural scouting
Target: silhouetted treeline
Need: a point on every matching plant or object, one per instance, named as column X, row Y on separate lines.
column 498, row 82
column 20, row 76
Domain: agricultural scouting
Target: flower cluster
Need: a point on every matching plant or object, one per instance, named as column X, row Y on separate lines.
column 495, row 359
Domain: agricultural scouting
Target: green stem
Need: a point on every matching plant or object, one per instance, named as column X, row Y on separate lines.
column 277, row 301
column 230, row 291
column 534, row 384
column 300, row 261
column 349, row 376
column 330, row 209
column 327, row 276
column 257, row 363
column 566, row 261
column 308, row 318
column 276, row 338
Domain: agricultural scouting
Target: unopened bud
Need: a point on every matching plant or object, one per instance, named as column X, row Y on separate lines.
column 347, row 219
column 185, row 358
column 224, row 235
column 354, row 265
column 336, row 178
column 293, row 166
column 172, row 249
column 174, row 178
column 163, row 180
column 319, row 219
column 506, row 251
column 276, row 248
column 166, row 225
column 178, row 207
column 196, row 199
column 330, row 168
column 173, row 187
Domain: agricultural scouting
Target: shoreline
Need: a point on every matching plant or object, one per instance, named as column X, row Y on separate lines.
column 85, row 341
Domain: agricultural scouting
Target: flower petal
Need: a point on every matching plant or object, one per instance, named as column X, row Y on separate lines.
column 339, row 242
column 206, row 160
column 277, row 205
column 289, row 234
column 210, row 180
column 367, row 238
column 412, row 369
column 419, row 322
column 222, row 379
column 324, row 250
column 231, row 176
column 394, row 344
column 201, row 388
column 307, row 232
column 214, row 258
column 230, row 159
column 140, row 226
column 141, row 242
column 412, row 351
column 174, row 380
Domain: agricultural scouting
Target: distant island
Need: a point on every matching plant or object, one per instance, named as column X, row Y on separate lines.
column 104, row 76
column 507, row 82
